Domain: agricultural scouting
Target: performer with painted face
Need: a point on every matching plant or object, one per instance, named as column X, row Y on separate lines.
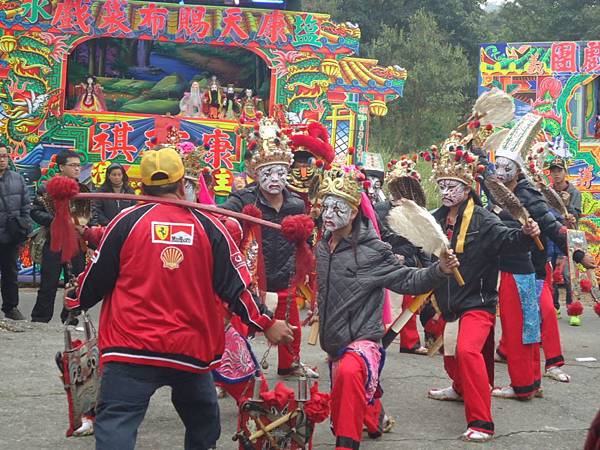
column 354, row 267
column 403, row 181
column 269, row 165
column 478, row 237
column 510, row 172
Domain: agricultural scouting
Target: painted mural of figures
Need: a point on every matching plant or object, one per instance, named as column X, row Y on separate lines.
column 230, row 108
column 191, row 103
column 249, row 106
column 91, row 96
column 213, row 98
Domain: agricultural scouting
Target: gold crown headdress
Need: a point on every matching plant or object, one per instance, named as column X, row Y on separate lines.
column 269, row 145
column 193, row 160
column 344, row 182
column 453, row 161
column 405, row 167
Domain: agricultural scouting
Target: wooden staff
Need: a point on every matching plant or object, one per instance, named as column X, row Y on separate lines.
column 176, row 202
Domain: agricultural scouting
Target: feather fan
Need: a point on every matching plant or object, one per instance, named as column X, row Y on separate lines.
column 418, row 226
column 494, row 107
column 553, row 199
column 504, row 198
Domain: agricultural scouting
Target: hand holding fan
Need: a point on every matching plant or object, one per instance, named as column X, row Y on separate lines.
column 418, row 226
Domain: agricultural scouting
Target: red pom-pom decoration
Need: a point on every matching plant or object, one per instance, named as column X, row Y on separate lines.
column 351, row 150
column 469, row 159
column 586, row 285
column 489, row 127
column 435, row 327
column 253, row 211
column 458, row 155
column 367, row 185
column 393, row 161
column 575, row 309
column 320, row 163
column 597, row 308
column 64, row 236
column 557, row 276
column 480, row 168
column 427, row 157
column 317, row 408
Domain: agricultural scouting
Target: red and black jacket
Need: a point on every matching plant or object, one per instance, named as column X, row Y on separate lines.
column 159, row 270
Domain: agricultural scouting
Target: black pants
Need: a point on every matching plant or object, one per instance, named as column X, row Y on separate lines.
column 50, row 277
column 8, row 272
column 125, row 393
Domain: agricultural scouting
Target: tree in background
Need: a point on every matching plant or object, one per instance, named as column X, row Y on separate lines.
column 434, row 97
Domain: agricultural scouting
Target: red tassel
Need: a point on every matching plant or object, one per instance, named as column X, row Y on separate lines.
column 435, row 327
column 575, row 309
column 586, row 285
column 298, row 229
column 317, row 408
column 254, row 231
column 64, row 236
column 597, row 308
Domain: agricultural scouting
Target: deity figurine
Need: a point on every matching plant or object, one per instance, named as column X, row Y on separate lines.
column 213, row 98
column 91, row 96
column 230, row 107
column 191, row 103
column 249, row 107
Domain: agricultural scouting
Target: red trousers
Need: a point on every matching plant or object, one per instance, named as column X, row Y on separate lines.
column 523, row 359
column 349, row 408
column 289, row 354
column 550, row 332
column 472, row 367
column 409, row 335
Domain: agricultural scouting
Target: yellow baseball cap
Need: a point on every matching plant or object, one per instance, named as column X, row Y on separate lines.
column 160, row 167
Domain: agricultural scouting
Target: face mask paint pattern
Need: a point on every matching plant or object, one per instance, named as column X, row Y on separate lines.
column 506, row 170
column 453, row 192
column 337, row 213
column 272, row 179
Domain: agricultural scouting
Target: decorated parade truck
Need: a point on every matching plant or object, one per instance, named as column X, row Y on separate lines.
column 111, row 78
column 561, row 82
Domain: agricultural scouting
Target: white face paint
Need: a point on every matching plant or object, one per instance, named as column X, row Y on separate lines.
column 506, row 169
column 337, row 213
column 272, row 178
column 453, row 192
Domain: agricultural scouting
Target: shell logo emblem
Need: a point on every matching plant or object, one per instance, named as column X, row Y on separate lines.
column 171, row 258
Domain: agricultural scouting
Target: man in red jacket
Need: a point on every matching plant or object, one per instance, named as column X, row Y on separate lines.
column 159, row 269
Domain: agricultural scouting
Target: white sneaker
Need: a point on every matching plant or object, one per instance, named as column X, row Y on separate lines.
column 86, row 428
column 446, row 394
column 504, row 392
column 472, row 435
column 556, row 373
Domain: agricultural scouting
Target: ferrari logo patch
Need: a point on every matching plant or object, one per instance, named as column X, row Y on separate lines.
column 172, row 233
column 171, row 258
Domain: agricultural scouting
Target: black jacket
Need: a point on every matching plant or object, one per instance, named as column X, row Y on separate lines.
column 351, row 285
column 278, row 253
column 413, row 256
column 103, row 211
column 486, row 237
column 551, row 228
column 511, row 262
column 14, row 194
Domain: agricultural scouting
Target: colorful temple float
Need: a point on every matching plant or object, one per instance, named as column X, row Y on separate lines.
column 111, row 78
column 560, row 81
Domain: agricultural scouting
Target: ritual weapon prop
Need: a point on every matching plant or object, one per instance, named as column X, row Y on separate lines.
column 403, row 319
column 582, row 281
column 418, row 226
column 509, row 202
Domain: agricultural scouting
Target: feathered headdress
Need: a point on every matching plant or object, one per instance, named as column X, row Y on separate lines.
column 404, row 181
column 269, row 145
column 193, row 160
column 454, row 161
column 343, row 181
column 520, row 138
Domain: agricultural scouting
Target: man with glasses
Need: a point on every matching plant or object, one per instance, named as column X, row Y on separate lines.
column 42, row 212
column 14, row 213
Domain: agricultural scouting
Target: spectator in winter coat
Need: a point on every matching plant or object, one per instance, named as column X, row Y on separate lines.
column 117, row 181
column 14, row 206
